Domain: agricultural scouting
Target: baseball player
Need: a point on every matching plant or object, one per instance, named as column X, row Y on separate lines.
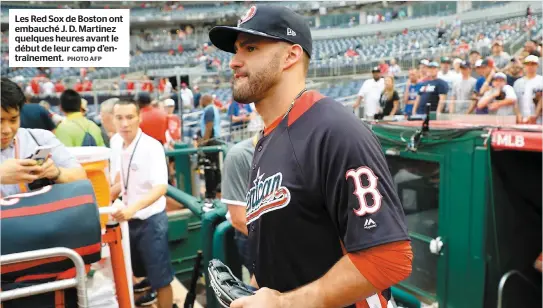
column 326, row 227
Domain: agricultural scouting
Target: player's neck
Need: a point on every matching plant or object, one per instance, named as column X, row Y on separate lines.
column 278, row 101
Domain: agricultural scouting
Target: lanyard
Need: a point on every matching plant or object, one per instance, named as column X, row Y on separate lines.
column 125, row 183
column 22, row 186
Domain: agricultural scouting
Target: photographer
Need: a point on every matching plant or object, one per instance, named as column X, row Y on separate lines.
column 500, row 99
column 18, row 172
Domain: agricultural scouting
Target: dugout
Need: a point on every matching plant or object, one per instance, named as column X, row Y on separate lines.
column 472, row 198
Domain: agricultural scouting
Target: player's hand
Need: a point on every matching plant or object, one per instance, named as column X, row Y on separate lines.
column 15, row 171
column 49, row 170
column 263, row 298
column 124, row 214
column 531, row 120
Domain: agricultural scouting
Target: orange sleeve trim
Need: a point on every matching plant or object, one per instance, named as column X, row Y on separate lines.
column 384, row 265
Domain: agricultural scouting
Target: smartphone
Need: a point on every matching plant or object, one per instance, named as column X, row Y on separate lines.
column 41, row 153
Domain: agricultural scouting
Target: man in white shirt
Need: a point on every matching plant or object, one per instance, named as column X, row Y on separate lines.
column 450, row 76
column 187, row 97
column 48, row 87
column 167, row 87
column 143, row 183
column 526, row 89
column 461, row 98
column 371, row 93
column 500, row 99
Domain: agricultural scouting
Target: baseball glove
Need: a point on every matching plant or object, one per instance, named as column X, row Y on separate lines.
column 226, row 286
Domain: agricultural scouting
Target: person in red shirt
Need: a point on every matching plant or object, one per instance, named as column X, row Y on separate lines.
column 78, row 86
column 59, row 87
column 147, row 85
column 87, row 85
column 154, row 122
column 174, row 122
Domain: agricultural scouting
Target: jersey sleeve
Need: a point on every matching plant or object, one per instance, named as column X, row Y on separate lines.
column 443, row 87
column 359, row 193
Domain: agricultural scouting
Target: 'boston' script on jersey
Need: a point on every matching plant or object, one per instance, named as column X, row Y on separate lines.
column 266, row 195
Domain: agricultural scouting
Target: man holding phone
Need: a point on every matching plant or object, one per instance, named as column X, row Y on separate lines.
column 19, row 170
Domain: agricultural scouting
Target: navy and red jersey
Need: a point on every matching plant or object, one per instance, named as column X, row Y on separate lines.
column 319, row 181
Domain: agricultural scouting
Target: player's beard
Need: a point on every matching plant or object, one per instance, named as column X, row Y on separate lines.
column 257, row 83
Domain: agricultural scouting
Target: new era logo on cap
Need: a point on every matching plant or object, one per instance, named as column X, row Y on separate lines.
column 291, row 32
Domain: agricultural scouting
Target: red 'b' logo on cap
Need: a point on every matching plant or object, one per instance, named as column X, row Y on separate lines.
column 250, row 14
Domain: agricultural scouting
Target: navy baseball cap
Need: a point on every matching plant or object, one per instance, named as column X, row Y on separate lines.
column 465, row 64
column 269, row 21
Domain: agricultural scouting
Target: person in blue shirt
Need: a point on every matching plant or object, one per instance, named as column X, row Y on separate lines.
column 239, row 114
column 210, row 129
column 35, row 116
column 433, row 91
column 411, row 91
column 484, row 69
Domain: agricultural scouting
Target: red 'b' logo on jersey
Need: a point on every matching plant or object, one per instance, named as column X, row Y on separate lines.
column 250, row 14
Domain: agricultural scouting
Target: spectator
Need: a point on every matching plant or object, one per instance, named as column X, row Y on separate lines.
column 240, row 115
column 513, row 71
column 19, row 143
column 463, row 47
column 210, row 130
column 237, row 168
column 474, row 56
column 433, row 92
column 143, row 181
column 84, row 107
column 59, row 86
column 174, row 123
column 78, row 86
column 447, row 74
column 411, row 91
column 168, row 88
column 394, row 69
column 461, row 96
column 76, row 130
column 187, row 97
column 370, row 92
column 482, row 84
column 48, row 87
column 531, row 47
column 456, row 66
column 147, row 84
column 154, row 122
column 106, row 118
column 389, row 100
column 351, row 53
column 526, row 89
column 501, row 58
column 57, row 118
column 500, row 99
column 482, row 42
column 35, row 116
column 196, row 96
column 87, row 85
column 383, row 67
column 423, row 69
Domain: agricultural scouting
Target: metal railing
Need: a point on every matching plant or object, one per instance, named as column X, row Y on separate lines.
column 79, row 281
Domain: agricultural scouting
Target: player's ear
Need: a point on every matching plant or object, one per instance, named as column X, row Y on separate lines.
column 294, row 55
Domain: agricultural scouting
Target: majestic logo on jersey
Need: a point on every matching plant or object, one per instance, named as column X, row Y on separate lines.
column 266, row 195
